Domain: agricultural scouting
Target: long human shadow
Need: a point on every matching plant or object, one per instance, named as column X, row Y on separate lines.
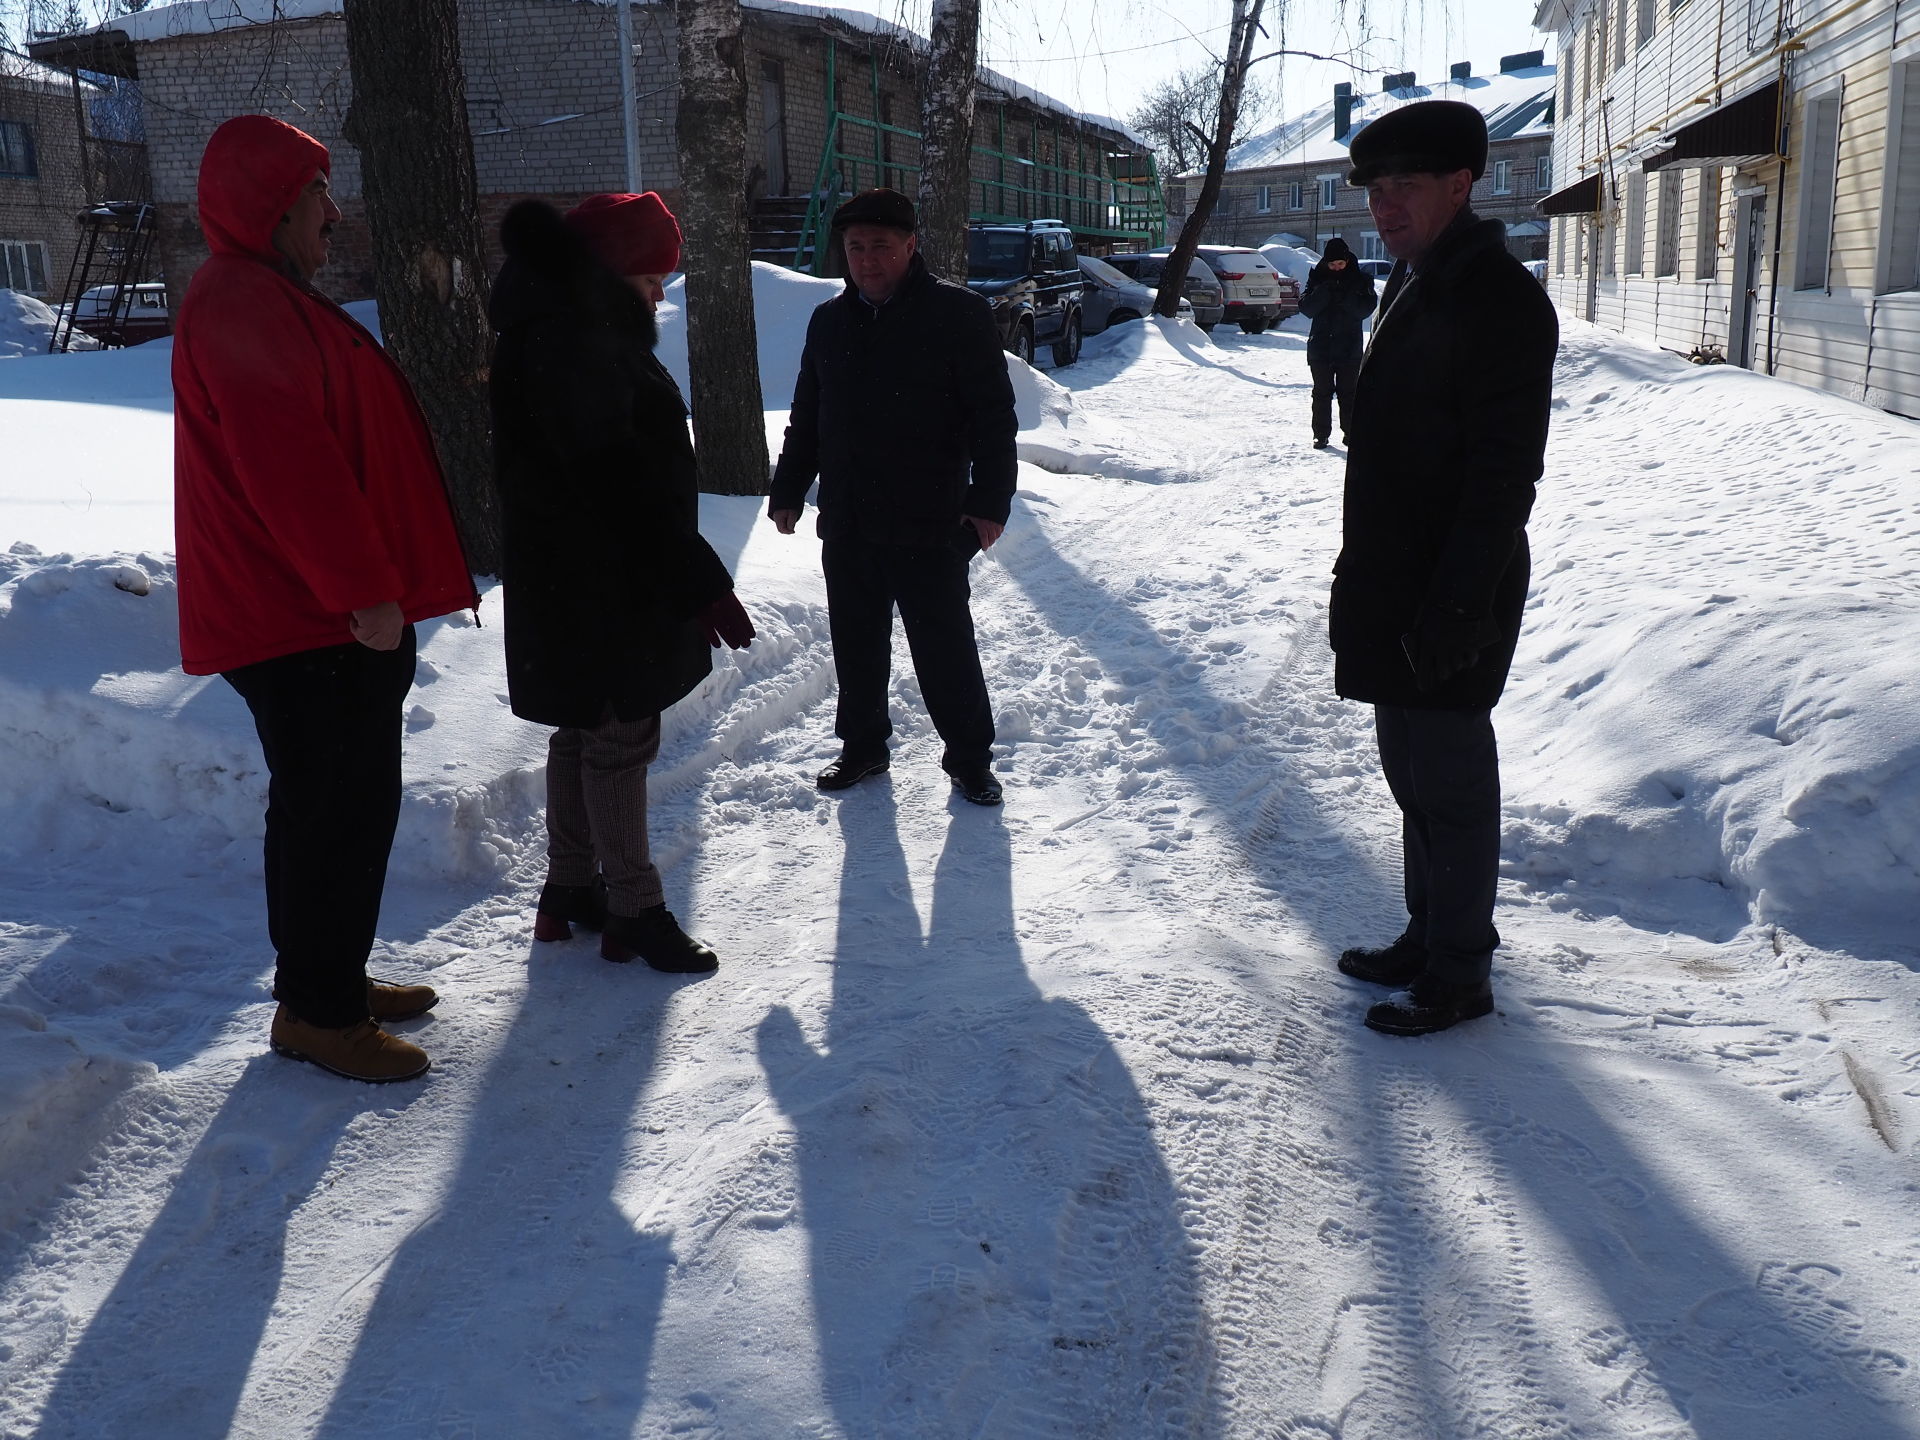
column 1657, row 1264
column 996, row 1241
column 170, row 1348
column 460, row 1338
column 1133, row 653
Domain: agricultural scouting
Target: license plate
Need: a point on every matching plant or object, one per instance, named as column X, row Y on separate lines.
column 1258, row 294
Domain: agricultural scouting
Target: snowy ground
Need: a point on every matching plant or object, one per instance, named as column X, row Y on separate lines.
column 1053, row 1121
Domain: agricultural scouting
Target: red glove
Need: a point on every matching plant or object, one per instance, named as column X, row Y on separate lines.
column 727, row 622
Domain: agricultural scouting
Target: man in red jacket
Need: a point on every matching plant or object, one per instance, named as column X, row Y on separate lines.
column 312, row 529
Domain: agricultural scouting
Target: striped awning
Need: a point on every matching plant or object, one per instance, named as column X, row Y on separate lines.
column 1745, row 131
column 1582, row 197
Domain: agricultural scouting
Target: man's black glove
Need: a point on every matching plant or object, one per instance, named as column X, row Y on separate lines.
column 1442, row 643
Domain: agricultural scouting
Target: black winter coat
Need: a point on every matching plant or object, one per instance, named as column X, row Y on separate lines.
column 1449, row 425
column 1338, row 302
column 905, row 413
column 605, row 569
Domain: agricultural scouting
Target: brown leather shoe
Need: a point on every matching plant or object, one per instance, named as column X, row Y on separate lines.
column 387, row 1001
column 362, row 1051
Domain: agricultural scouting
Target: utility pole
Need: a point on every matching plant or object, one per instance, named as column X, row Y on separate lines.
column 629, row 116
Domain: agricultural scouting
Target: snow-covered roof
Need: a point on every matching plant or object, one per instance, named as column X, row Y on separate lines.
column 208, row 17
column 1518, row 105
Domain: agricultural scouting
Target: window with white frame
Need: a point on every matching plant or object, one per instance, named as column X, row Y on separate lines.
column 1819, row 172
column 1706, row 237
column 1503, row 177
column 1666, row 251
column 1606, row 245
column 23, row 266
column 1620, row 34
column 1329, row 192
column 1370, row 246
column 1900, row 214
column 1649, row 19
column 1559, row 244
column 1636, row 223
column 1297, row 195
column 1543, row 175
column 1263, row 199
column 16, row 151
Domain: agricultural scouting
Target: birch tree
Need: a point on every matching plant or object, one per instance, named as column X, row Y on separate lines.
column 946, row 130
column 722, row 344
column 408, row 119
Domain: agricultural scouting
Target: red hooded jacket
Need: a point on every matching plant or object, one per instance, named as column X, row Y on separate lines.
column 305, row 481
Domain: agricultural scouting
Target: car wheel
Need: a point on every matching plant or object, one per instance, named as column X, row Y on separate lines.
column 1023, row 342
column 1067, row 349
column 1252, row 327
column 1208, row 327
column 1120, row 317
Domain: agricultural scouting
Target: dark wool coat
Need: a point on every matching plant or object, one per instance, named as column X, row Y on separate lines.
column 905, row 413
column 605, row 570
column 1449, row 436
column 1338, row 302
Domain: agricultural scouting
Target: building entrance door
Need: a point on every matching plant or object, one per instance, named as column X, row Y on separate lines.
column 773, row 125
column 1750, row 224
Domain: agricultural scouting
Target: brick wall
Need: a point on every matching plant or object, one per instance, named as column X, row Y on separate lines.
column 41, row 209
column 543, row 106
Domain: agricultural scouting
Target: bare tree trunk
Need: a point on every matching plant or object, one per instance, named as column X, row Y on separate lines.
column 722, row 344
column 946, row 136
column 408, row 119
column 1233, row 80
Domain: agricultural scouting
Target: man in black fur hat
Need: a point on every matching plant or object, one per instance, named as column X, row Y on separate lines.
column 904, row 411
column 1449, row 437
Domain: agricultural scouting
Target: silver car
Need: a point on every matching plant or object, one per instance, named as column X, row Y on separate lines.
column 1112, row 298
column 1202, row 289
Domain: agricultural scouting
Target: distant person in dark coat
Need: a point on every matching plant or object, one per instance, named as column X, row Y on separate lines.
column 1449, row 438
column 1339, row 297
column 904, row 411
column 312, row 532
column 613, row 599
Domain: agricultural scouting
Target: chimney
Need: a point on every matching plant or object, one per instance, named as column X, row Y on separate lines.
column 1463, row 70
column 1402, row 81
column 1342, row 109
column 1525, row 60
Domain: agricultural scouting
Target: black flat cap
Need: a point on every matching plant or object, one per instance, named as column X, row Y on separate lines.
column 878, row 207
column 1432, row 136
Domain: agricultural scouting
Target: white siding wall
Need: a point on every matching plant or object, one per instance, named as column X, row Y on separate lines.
column 1855, row 326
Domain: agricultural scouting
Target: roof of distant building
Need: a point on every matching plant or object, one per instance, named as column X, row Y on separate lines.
column 1518, row 105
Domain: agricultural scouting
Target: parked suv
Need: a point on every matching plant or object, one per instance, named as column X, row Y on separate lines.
column 131, row 319
column 1257, row 295
column 1032, row 277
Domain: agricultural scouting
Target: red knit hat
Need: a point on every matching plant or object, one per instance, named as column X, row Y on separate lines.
column 632, row 234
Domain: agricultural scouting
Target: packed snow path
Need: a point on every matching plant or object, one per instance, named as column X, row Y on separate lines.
column 1057, row 1120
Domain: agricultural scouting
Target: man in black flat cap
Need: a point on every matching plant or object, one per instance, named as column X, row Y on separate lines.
column 904, row 411
column 1449, row 436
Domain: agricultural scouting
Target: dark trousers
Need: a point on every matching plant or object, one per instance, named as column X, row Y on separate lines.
column 329, row 726
column 1333, row 375
column 1444, row 770
column 597, row 810
column 865, row 581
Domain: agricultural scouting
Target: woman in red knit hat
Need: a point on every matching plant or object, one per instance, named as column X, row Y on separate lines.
column 613, row 599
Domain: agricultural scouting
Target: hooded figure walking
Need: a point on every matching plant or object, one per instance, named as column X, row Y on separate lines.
column 312, row 530
column 613, row 599
column 1338, row 299
column 1449, row 438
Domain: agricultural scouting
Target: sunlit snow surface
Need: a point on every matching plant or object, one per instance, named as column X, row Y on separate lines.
column 1050, row 1121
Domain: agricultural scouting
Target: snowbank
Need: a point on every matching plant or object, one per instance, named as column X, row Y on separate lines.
column 27, row 325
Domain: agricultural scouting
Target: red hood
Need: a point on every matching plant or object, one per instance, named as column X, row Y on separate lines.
column 254, row 169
